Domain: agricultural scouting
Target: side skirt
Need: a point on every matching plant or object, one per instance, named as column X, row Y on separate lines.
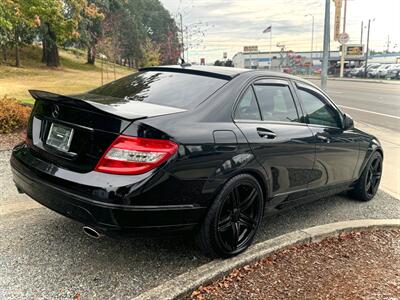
column 311, row 196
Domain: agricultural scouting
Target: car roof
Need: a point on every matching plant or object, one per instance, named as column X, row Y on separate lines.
column 214, row 71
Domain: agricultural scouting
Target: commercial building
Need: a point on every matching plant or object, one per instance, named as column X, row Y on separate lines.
column 266, row 60
column 302, row 59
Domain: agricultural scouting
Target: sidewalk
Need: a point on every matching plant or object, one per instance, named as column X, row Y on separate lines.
column 390, row 140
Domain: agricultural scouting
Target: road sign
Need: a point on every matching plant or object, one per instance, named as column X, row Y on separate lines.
column 225, row 55
column 343, row 38
column 250, row 49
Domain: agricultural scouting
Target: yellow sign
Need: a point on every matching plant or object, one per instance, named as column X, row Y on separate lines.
column 338, row 11
column 250, row 48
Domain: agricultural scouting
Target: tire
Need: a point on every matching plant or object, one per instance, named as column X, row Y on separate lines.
column 233, row 219
column 368, row 183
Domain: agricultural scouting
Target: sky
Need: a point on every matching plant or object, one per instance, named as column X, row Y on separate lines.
column 228, row 25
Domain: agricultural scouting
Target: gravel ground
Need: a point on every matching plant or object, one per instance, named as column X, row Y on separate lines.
column 9, row 140
column 45, row 256
column 358, row 265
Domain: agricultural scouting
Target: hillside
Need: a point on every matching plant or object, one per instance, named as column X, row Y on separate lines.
column 73, row 76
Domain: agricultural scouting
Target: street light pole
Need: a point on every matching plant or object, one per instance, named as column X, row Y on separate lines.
column 324, row 72
column 367, row 50
column 312, row 39
column 362, row 28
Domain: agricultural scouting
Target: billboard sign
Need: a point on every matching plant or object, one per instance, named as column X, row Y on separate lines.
column 354, row 51
column 250, row 49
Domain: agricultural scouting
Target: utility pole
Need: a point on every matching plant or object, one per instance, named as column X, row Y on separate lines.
column 387, row 45
column 367, row 50
column 324, row 73
column 312, row 40
column 343, row 45
column 182, row 39
column 362, row 27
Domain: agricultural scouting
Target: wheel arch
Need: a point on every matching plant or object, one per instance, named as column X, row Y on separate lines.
column 258, row 176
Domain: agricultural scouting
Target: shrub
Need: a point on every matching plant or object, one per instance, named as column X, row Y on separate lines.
column 13, row 115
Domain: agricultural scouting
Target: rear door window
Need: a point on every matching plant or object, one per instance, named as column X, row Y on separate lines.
column 276, row 103
column 173, row 89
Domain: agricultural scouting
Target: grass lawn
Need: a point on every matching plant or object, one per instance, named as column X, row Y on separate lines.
column 73, row 76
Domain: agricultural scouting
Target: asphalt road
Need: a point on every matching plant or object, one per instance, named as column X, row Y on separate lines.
column 46, row 256
column 373, row 103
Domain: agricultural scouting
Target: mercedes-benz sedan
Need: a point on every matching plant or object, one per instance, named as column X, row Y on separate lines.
column 206, row 149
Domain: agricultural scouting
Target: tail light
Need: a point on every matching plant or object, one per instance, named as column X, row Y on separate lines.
column 134, row 155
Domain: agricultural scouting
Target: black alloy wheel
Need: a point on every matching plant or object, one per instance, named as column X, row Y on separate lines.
column 373, row 177
column 368, row 184
column 233, row 219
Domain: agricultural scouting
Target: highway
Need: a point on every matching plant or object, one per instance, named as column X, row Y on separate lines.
column 376, row 104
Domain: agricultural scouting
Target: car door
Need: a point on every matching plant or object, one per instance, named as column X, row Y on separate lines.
column 337, row 150
column 267, row 115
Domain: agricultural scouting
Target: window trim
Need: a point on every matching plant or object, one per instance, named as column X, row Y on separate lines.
column 323, row 98
column 250, row 87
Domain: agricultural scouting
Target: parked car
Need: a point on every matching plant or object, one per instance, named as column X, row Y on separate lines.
column 379, row 72
column 360, row 71
column 208, row 149
column 373, row 70
column 335, row 69
column 393, row 72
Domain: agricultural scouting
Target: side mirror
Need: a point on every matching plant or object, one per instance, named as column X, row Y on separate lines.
column 348, row 122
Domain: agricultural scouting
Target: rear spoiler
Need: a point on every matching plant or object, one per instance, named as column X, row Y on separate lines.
column 68, row 100
column 127, row 110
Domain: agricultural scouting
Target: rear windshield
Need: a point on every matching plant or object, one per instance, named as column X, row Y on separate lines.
column 180, row 90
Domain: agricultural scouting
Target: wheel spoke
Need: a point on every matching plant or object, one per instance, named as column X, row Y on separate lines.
column 375, row 165
column 224, row 224
column 249, row 200
column 368, row 186
column 235, row 234
column 235, row 196
column 246, row 221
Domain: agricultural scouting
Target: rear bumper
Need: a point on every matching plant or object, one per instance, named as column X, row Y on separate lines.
column 108, row 217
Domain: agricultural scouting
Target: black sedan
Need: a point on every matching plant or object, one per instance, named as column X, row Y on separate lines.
column 205, row 149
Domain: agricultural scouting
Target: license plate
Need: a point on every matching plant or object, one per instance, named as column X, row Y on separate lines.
column 60, row 137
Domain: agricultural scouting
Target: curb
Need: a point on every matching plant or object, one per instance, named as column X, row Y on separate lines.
column 185, row 283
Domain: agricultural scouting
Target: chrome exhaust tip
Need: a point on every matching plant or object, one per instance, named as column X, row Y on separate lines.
column 93, row 233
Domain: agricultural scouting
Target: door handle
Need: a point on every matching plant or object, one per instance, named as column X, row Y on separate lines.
column 265, row 133
column 322, row 138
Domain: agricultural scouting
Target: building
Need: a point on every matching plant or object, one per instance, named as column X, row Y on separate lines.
column 264, row 60
column 302, row 59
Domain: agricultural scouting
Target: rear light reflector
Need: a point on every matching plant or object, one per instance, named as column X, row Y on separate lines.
column 134, row 155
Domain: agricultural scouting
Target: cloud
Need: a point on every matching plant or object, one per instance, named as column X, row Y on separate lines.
column 233, row 24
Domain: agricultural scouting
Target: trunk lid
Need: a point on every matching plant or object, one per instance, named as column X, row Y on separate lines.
column 73, row 132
